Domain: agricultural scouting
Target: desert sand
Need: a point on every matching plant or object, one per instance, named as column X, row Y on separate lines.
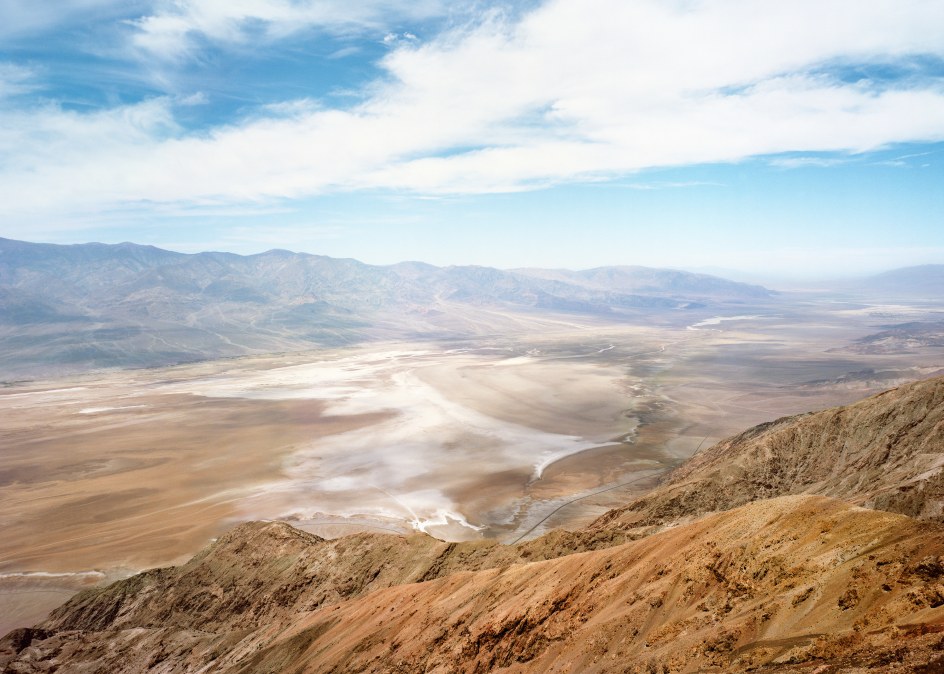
column 108, row 473
column 105, row 475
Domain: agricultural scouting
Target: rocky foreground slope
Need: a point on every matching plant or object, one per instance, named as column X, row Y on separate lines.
column 884, row 452
column 803, row 582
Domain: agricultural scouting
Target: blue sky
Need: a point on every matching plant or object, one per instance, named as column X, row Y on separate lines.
column 785, row 139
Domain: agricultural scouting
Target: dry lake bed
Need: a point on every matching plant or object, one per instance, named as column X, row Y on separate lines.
column 105, row 474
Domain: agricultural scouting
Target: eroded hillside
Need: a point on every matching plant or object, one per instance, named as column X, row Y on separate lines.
column 884, row 452
column 771, row 582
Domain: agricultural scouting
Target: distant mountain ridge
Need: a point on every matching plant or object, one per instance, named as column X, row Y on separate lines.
column 97, row 305
column 645, row 280
column 925, row 281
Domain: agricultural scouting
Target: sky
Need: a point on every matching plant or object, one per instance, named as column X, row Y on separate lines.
column 753, row 137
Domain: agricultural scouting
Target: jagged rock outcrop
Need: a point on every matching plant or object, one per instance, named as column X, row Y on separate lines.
column 241, row 591
column 262, row 570
column 884, row 452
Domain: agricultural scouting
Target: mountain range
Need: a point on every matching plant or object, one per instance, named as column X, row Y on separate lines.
column 86, row 306
column 751, row 557
column 73, row 308
column 923, row 281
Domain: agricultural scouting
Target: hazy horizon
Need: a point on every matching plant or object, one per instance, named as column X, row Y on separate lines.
column 782, row 280
column 799, row 141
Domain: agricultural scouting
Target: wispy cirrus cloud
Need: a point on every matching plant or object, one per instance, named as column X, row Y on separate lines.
column 20, row 18
column 16, row 80
column 670, row 185
column 174, row 29
column 571, row 91
column 807, row 161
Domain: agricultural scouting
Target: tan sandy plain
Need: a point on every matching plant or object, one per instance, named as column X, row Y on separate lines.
column 103, row 475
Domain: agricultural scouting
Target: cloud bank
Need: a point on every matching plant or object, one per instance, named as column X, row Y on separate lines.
column 574, row 90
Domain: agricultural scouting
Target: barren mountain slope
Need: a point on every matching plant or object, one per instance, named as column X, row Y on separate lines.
column 804, row 580
column 792, row 583
column 255, row 581
column 793, row 580
column 884, row 452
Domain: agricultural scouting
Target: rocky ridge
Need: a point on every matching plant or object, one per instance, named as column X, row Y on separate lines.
column 696, row 576
column 884, row 452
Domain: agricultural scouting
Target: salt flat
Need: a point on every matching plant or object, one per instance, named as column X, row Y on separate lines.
column 108, row 473
column 452, row 422
column 124, row 470
column 133, row 468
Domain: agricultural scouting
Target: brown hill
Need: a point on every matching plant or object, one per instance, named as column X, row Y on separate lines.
column 801, row 583
column 785, row 582
column 773, row 586
column 884, row 452
column 260, row 571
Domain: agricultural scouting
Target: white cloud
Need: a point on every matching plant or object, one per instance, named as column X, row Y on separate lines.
column 344, row 52
column 59, row 160
column 16, row 80
column 669, row 185
column 802, row 162
column 198, row 98
column 20, row 18
column 575, row 90
column 170, row 31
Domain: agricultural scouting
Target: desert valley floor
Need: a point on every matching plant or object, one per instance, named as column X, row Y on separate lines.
column 109, row 473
